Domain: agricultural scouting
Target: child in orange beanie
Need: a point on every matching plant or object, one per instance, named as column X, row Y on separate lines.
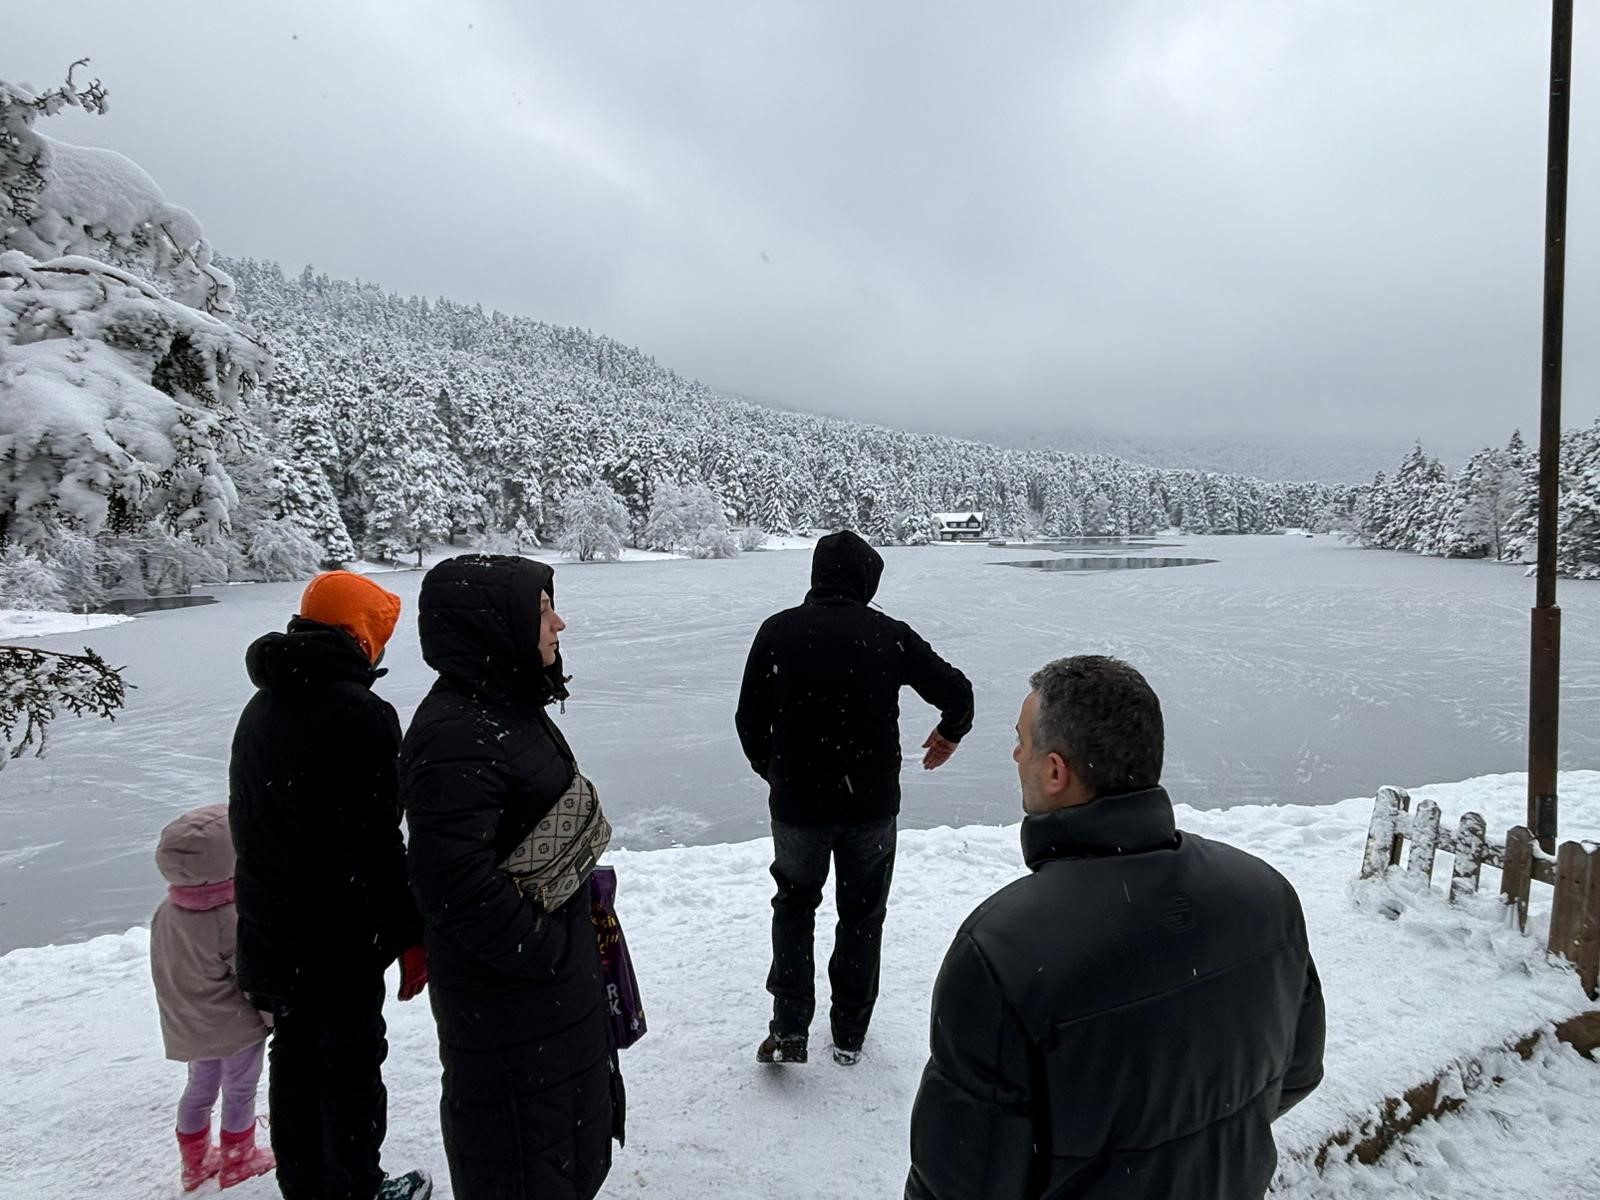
column 354, row 604
column 323, row 900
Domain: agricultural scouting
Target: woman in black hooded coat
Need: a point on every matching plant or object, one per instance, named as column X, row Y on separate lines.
column 532, row 1097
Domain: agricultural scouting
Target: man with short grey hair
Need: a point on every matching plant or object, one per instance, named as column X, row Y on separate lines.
column 1128, row 1019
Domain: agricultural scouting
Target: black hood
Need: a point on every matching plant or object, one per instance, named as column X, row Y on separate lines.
column 478, row 620
column 844, row 567
column 308, row 655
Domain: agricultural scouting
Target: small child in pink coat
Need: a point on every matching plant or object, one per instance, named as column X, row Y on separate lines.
column 205, row 1019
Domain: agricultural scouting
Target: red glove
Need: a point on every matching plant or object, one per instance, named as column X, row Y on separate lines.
column 413, row 971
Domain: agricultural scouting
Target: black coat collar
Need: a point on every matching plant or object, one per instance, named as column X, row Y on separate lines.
column 1125, row 824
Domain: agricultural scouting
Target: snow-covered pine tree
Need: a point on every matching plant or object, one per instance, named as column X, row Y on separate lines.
column 1418, row 498
column 58, row 200
column 410, row 477
column 37, row 685
column 1483, row 502
column 1522, row 534
column 121, row 399
column 1578, row 528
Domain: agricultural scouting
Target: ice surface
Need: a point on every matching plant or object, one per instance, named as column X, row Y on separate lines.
column 1291, row 670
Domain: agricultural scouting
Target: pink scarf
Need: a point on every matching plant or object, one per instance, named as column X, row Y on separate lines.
column 201, row 896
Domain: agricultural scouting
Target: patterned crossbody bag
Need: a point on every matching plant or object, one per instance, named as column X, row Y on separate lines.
column 557, row 856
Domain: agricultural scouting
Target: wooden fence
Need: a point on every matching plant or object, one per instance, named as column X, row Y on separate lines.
column 1574, row 872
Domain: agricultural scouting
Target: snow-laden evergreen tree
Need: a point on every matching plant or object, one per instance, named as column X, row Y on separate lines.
column 269, row 541
column 1578, row 527
column 1484, row 500
column 121, row 393
column 594, row 523
column 411, row 479
column 1523, row 532
column 59, row 201
column 1417, row 506
column 1097, row 518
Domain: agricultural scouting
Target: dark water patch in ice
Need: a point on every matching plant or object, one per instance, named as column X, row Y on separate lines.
column 1118, row 562
column 134, row 605
column 1088, row 545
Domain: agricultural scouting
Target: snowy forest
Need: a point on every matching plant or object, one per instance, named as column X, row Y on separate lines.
column 168, row 417
column 1489, row 508
column 172, row 418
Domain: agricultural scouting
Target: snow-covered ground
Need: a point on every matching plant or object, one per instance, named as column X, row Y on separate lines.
column 22, row 623
column 1291, row 671
column 549, row 554
column 88, row 1104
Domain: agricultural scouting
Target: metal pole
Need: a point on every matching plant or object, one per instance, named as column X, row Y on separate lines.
column 1544, row 677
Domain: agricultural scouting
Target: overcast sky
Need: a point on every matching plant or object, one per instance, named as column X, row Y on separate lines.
column 1318, row 216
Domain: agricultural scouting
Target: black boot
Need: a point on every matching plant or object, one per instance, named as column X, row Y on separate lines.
column 786, row 1048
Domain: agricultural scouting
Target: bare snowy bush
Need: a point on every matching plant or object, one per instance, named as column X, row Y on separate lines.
column 752, row 537
column 689, row 519
column 27, row 583
column 499, row 541
column 279, row 549
column 593, row 523
column 710, row 541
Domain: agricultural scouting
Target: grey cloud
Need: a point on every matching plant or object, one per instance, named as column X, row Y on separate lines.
column 1308, row 218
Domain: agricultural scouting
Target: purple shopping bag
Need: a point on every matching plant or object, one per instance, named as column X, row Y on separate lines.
column 622, row 987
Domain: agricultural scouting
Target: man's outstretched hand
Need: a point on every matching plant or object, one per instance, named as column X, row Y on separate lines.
column 939, row 749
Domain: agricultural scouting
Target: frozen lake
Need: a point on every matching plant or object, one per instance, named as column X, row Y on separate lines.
column 1291, row 671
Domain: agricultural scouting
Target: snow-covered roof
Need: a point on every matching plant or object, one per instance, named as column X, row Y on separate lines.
column 957, row 518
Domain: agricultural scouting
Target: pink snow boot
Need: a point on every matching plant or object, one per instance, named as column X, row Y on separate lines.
column 242, row 1159
column 201, row 1160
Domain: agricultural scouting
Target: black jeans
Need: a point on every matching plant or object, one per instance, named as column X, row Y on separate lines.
column 864, row 856
column 329, row 1105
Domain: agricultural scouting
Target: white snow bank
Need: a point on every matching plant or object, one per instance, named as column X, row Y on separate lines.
column 1533, row 1134
column 1406, row 996
column 17, row 623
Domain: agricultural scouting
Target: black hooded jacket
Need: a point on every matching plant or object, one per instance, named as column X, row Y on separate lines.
column 819, row 710
column 1124, row 1022
column 529, row 1105
column 320, row 882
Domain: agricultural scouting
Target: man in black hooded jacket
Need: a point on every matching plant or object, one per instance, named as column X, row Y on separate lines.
column 1127, row 1020
column 819, row 720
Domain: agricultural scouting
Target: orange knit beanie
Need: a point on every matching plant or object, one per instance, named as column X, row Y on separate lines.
column 356, row 605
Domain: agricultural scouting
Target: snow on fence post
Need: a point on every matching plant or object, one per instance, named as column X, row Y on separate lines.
column 1516, row 876
column 1588, row 960
column 1574, row 919
column 1424, row 843
column 1469, row 847
column 1382, row 836
column 1402, row 824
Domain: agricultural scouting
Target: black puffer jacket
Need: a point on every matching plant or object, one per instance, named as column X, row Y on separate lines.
column 819, row 710
column 531, row 1093
column 313, row 807
column 1127, row 1021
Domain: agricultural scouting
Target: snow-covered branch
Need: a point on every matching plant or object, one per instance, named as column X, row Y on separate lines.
column 36, row 685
